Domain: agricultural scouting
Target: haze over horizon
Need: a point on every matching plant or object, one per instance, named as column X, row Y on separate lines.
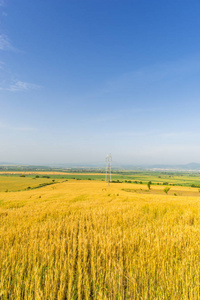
column 81, row 79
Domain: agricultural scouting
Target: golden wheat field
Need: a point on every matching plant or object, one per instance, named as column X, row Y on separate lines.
column 87, row 240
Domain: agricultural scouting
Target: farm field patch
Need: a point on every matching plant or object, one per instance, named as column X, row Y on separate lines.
column 17, row 183
column 162, row 178
column 83, row 239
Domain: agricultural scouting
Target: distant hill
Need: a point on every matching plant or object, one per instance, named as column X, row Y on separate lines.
column 156, row 167
column 186, row 167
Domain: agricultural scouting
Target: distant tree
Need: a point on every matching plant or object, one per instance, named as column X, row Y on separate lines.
column 166, row 190
column 149, row 185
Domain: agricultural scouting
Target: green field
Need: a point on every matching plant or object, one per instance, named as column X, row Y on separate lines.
column 11, row 182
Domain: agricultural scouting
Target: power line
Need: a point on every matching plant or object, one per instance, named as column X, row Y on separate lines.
column 108, row 168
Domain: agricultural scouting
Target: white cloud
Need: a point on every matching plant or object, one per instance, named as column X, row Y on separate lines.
column 17, row 86
column 22, row 86
column 8, row 81
column 5, row 43
column 11, row 83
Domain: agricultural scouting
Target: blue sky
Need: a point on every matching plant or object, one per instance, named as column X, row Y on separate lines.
column 80, row 79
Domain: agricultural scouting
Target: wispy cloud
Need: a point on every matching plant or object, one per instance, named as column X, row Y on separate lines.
column 150, row 84
column 8, row 81
column 156, row 73
column 14, row 85
column 22, row 86
column 11, row 82
column 5, row 43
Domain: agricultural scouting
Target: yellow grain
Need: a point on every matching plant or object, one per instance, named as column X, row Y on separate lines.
column 82, row 241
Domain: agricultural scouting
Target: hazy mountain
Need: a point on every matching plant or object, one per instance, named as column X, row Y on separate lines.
column 184, row 167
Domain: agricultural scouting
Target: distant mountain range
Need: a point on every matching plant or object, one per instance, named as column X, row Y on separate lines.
column 184, row 167
column 190, row 166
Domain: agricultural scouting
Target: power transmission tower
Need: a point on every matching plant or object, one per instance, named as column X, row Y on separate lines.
column 108, row 168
